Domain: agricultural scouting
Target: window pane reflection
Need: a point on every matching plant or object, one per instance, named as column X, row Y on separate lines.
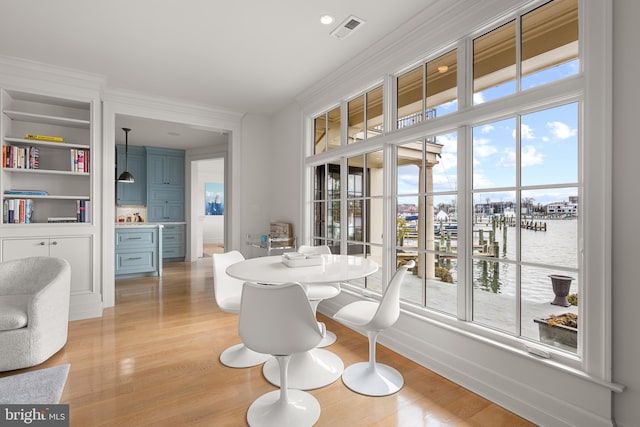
column 355, row 131
column 409, row 98
column 442, row 85
column 375, row 115
column 549, row 43
column 333, row 129
column 494, row 64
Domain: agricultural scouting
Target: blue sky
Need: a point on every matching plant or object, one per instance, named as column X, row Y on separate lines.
column 548, row 153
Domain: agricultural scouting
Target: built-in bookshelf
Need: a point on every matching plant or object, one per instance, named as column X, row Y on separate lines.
column 46, row 159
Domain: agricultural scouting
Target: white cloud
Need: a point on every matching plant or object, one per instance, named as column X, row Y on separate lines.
column 480, row 180
column 486, row 129
column 482, row 147
column 529, row 157
column 477, row 98
column 526, row 132
column 561, row 130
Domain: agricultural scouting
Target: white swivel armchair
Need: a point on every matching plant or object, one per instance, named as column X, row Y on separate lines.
column 316, row 292
column 34, row 310
column 371, row 378
column 227, row 292
column 279, row 320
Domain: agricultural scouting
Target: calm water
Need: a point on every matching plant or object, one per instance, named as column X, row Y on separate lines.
column 555, row 250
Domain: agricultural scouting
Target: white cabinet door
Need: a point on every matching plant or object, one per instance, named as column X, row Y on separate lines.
column 76, row 250
column 24, row 248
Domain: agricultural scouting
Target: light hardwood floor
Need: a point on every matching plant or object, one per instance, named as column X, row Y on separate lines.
column 153, row 360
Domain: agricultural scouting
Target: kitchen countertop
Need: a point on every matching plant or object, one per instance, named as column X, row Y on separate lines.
column 138, row 224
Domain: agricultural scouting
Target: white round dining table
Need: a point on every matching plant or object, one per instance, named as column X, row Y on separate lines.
column 317, row 367
column 334, row 268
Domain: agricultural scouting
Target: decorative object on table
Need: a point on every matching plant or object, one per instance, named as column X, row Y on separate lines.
column 34, row 310
column 126, row 176
column 561, row 285
column 297, row 259
column 41, row 387
column 559, row 330
column 227, row 292
column 279, row 320
column 372, row 378
column 214, row 198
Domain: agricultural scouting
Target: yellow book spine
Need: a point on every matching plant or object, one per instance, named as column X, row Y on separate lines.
column 44, row 137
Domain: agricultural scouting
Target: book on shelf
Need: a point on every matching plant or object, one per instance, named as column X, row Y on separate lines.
column 48, row 138
column 79, row 160
column 20, row 157
column 17, row 211
column 82, row 210
column 62, row 219
column 20, row 192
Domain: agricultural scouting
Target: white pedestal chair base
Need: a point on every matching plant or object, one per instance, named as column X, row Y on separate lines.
column 307, row 371
column 329, row 339
column 381, row 380
column 302, row 409
column 239, row 356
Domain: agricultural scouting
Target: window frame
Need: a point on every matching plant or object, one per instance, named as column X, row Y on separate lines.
column 596, row 144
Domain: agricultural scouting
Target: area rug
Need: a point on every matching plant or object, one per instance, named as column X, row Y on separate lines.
column 43, row 386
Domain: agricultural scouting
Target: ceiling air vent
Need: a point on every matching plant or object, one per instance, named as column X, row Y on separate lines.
column 347, row 27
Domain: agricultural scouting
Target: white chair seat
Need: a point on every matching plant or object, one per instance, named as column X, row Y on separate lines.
column 357, row 313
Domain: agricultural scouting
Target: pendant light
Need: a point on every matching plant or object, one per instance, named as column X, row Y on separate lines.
column 126, row 175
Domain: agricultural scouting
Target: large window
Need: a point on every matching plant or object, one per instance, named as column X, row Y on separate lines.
column 488, row 204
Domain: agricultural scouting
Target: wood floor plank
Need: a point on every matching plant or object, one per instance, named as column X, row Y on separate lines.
column 153, row 360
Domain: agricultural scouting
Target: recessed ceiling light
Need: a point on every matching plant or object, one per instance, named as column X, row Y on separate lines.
column 443, row 68
column 326, row 19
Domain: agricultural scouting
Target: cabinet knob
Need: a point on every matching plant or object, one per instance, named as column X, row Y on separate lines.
column 54, row 243
column 41, row 243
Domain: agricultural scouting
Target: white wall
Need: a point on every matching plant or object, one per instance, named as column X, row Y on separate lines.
column 626, row 207
column 255, row 180
column 286, row 168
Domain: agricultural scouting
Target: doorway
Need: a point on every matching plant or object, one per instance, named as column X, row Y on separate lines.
column 210, row 193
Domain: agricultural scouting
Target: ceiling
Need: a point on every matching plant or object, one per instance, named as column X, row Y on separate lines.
column 248, row 56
